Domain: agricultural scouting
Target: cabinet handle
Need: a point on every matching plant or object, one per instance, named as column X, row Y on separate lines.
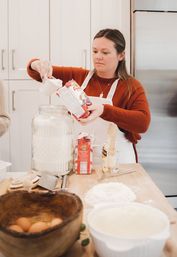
column 2, row 59
column 13, row 59
column 85, row 58
column 13, row 100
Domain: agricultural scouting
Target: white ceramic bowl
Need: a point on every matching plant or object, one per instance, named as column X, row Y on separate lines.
column 129, row 230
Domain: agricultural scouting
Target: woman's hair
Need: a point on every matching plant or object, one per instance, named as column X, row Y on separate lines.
column 119, row 43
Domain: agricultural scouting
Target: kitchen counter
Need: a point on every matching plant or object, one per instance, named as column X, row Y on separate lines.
column 137, row 179
column 146, row 192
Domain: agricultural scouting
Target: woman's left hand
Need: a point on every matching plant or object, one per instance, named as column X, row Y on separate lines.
column 95, row 112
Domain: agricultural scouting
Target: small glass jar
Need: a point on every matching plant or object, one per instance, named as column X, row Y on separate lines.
column 52, row 140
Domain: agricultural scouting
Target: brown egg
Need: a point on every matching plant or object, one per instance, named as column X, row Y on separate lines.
column 16, row 228
column 55, row 221
column 24, row 223
column 38, row 227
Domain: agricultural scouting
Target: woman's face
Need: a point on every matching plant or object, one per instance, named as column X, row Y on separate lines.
column 105, row 57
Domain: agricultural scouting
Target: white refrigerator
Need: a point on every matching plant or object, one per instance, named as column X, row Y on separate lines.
column 154, row 63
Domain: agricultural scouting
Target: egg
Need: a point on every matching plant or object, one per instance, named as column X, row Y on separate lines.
column 55, row 221
column 24, row 223
column 16, row 228
column 38, row 227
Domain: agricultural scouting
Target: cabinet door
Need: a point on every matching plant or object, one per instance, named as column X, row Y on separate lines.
column 3, row 40
column 28, row 34
column 113, row 14
column 24, row 102
column 70, row 32
column 105, row 14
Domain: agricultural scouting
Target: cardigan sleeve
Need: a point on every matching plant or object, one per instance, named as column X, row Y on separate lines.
column 60, row 72
column 135, row 117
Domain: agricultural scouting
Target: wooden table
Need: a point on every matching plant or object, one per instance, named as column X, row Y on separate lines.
column 146, row 192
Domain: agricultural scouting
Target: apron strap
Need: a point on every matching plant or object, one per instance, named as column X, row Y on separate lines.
column 112, row 89
column 88, row 77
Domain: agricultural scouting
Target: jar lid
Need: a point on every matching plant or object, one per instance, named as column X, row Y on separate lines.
column 53, row 109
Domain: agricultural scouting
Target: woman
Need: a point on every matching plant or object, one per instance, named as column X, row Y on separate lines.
column 4, row 118
column 129, row 110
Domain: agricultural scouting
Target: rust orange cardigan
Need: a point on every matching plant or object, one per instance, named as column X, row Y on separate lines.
column 130, row 110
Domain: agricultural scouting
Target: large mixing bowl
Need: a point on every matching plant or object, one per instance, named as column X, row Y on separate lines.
column 129, row 230
column 51, row 242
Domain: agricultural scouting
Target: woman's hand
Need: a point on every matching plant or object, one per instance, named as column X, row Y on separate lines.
column 95, row 112
column 43, row 67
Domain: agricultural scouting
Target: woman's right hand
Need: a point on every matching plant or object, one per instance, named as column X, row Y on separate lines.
column 43, row 67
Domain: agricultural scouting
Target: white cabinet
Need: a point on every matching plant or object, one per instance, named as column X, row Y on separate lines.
column 105, row 14
column 74, row 24
column 70, row 32
column 24, row 27
column 24, row 102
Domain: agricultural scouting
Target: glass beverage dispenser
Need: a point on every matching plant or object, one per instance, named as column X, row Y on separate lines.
column 52, row 140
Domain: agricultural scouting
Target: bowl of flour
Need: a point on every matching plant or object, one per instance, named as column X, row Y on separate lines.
column 109, row 192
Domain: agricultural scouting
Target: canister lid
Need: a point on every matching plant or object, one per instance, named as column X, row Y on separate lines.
column 52, row 109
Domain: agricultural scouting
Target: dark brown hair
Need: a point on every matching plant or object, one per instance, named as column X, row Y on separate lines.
column 119, row 43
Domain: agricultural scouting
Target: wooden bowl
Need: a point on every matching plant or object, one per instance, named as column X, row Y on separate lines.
column 51, row 242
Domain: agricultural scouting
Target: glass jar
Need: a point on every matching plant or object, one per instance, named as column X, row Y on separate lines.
column 52, row 140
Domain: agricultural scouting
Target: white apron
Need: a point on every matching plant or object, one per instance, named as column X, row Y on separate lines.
column 99, row 128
